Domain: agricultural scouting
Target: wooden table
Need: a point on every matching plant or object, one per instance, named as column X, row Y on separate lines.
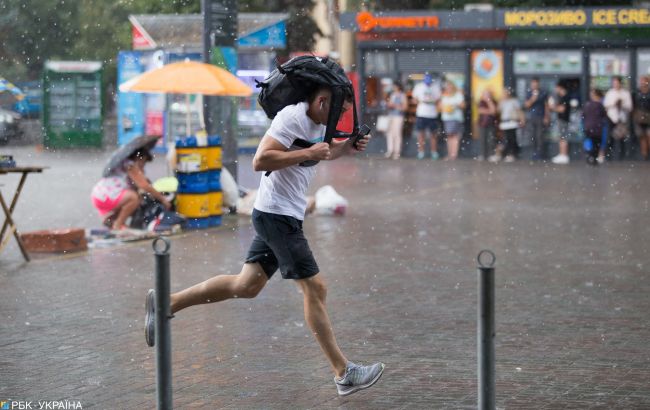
column 9, row 222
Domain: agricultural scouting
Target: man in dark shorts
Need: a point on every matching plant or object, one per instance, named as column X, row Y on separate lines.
column 280, row 243
column 427, row 95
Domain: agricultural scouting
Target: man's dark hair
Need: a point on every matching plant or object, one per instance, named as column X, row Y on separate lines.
column 534, row 79
column 312, row 95
column 618, row 78
column 597, row 92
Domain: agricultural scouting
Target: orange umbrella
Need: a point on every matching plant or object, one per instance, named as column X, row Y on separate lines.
column 188, row 77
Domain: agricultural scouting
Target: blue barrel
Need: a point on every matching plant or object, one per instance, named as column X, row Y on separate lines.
column 198, row 223
column 194, row 182
column 214, row 141
column 214, row 220
column 214, row 180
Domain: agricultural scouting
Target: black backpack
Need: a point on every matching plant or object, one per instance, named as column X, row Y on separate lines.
column 291, row 83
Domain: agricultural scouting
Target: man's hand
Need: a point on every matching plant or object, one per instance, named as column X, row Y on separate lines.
column 320, row 151
column 362, row 144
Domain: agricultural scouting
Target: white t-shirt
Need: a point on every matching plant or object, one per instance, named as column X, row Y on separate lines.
column 615, row 113
column 510, row 114
column 427, row 96
column 450, row 105
column 283, row 191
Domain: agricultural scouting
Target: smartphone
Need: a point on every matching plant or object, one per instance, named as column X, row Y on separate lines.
column 363, row 131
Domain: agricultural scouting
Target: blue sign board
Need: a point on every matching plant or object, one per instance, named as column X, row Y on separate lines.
column 274, row 36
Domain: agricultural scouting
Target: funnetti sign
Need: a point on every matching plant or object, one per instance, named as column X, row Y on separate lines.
column 573, row 17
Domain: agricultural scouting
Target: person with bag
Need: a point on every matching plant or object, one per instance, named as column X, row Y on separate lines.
column 594, row 120
column 618, row 103
column 641, row 116
column 280, row 243
column 397, row 105
column 116, row 195
column 512, row 117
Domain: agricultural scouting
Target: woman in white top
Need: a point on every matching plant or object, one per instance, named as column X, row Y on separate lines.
column 512, row 117
column 452, row 105
column 397, row 105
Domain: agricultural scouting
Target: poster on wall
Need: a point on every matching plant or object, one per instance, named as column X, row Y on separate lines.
column 603, row 65
column 487, row 74
column 130, row 106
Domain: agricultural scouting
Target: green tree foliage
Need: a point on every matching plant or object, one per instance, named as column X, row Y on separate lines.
column 32, row 31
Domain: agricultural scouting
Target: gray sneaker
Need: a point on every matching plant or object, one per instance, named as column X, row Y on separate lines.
column 150, row 318
column 358, row 377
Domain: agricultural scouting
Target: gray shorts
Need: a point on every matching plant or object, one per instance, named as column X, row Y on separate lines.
column 281, row 243
column 563, row 129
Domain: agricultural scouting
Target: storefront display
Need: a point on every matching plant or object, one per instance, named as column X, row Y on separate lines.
column 605, row 64
column 72, row 104
column 643, row 64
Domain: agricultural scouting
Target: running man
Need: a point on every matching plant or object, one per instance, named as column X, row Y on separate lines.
column 280, row 243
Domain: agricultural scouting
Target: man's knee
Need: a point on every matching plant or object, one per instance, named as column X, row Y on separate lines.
column 315, row 288
column 248, row 288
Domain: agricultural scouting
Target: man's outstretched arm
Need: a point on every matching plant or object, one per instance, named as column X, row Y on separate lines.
column 340, row 148
column 271, row 155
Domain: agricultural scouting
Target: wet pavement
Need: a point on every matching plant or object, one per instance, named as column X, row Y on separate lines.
column 572, row 288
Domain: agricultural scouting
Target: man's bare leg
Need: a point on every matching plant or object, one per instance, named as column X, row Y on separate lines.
column 421, row 143
column 247, row 284
column 434, row 142
column 315, row 292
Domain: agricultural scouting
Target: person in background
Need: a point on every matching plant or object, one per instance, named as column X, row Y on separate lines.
column 452, row 105
column 594, row 118
column 563, row 109
column 641, row 116
column 487, row 116
column 618, row 103
column 511, row 118
column 397, row 105
column 538, row 117
column 116, row 196
column 427, row 95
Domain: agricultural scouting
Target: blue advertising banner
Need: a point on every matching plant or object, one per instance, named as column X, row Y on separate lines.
column 272, row 36
column 130, row 106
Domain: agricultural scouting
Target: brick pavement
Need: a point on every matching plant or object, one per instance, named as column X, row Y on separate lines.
column 572, row 286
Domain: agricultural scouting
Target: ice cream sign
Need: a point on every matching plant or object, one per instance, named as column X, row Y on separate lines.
column 567, row 17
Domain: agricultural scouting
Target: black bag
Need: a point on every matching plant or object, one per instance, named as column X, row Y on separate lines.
column 148, row 210
column 291, row 83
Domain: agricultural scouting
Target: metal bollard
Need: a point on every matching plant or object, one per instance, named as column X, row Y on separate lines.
column 163, row 335
column 486, row 333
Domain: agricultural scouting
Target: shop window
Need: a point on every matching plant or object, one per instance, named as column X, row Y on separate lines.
column 643, row 64
column 543, row 62
column 604, row 65
column 379, row 63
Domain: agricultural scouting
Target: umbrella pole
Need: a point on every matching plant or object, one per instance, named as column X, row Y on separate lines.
column 188, row 130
